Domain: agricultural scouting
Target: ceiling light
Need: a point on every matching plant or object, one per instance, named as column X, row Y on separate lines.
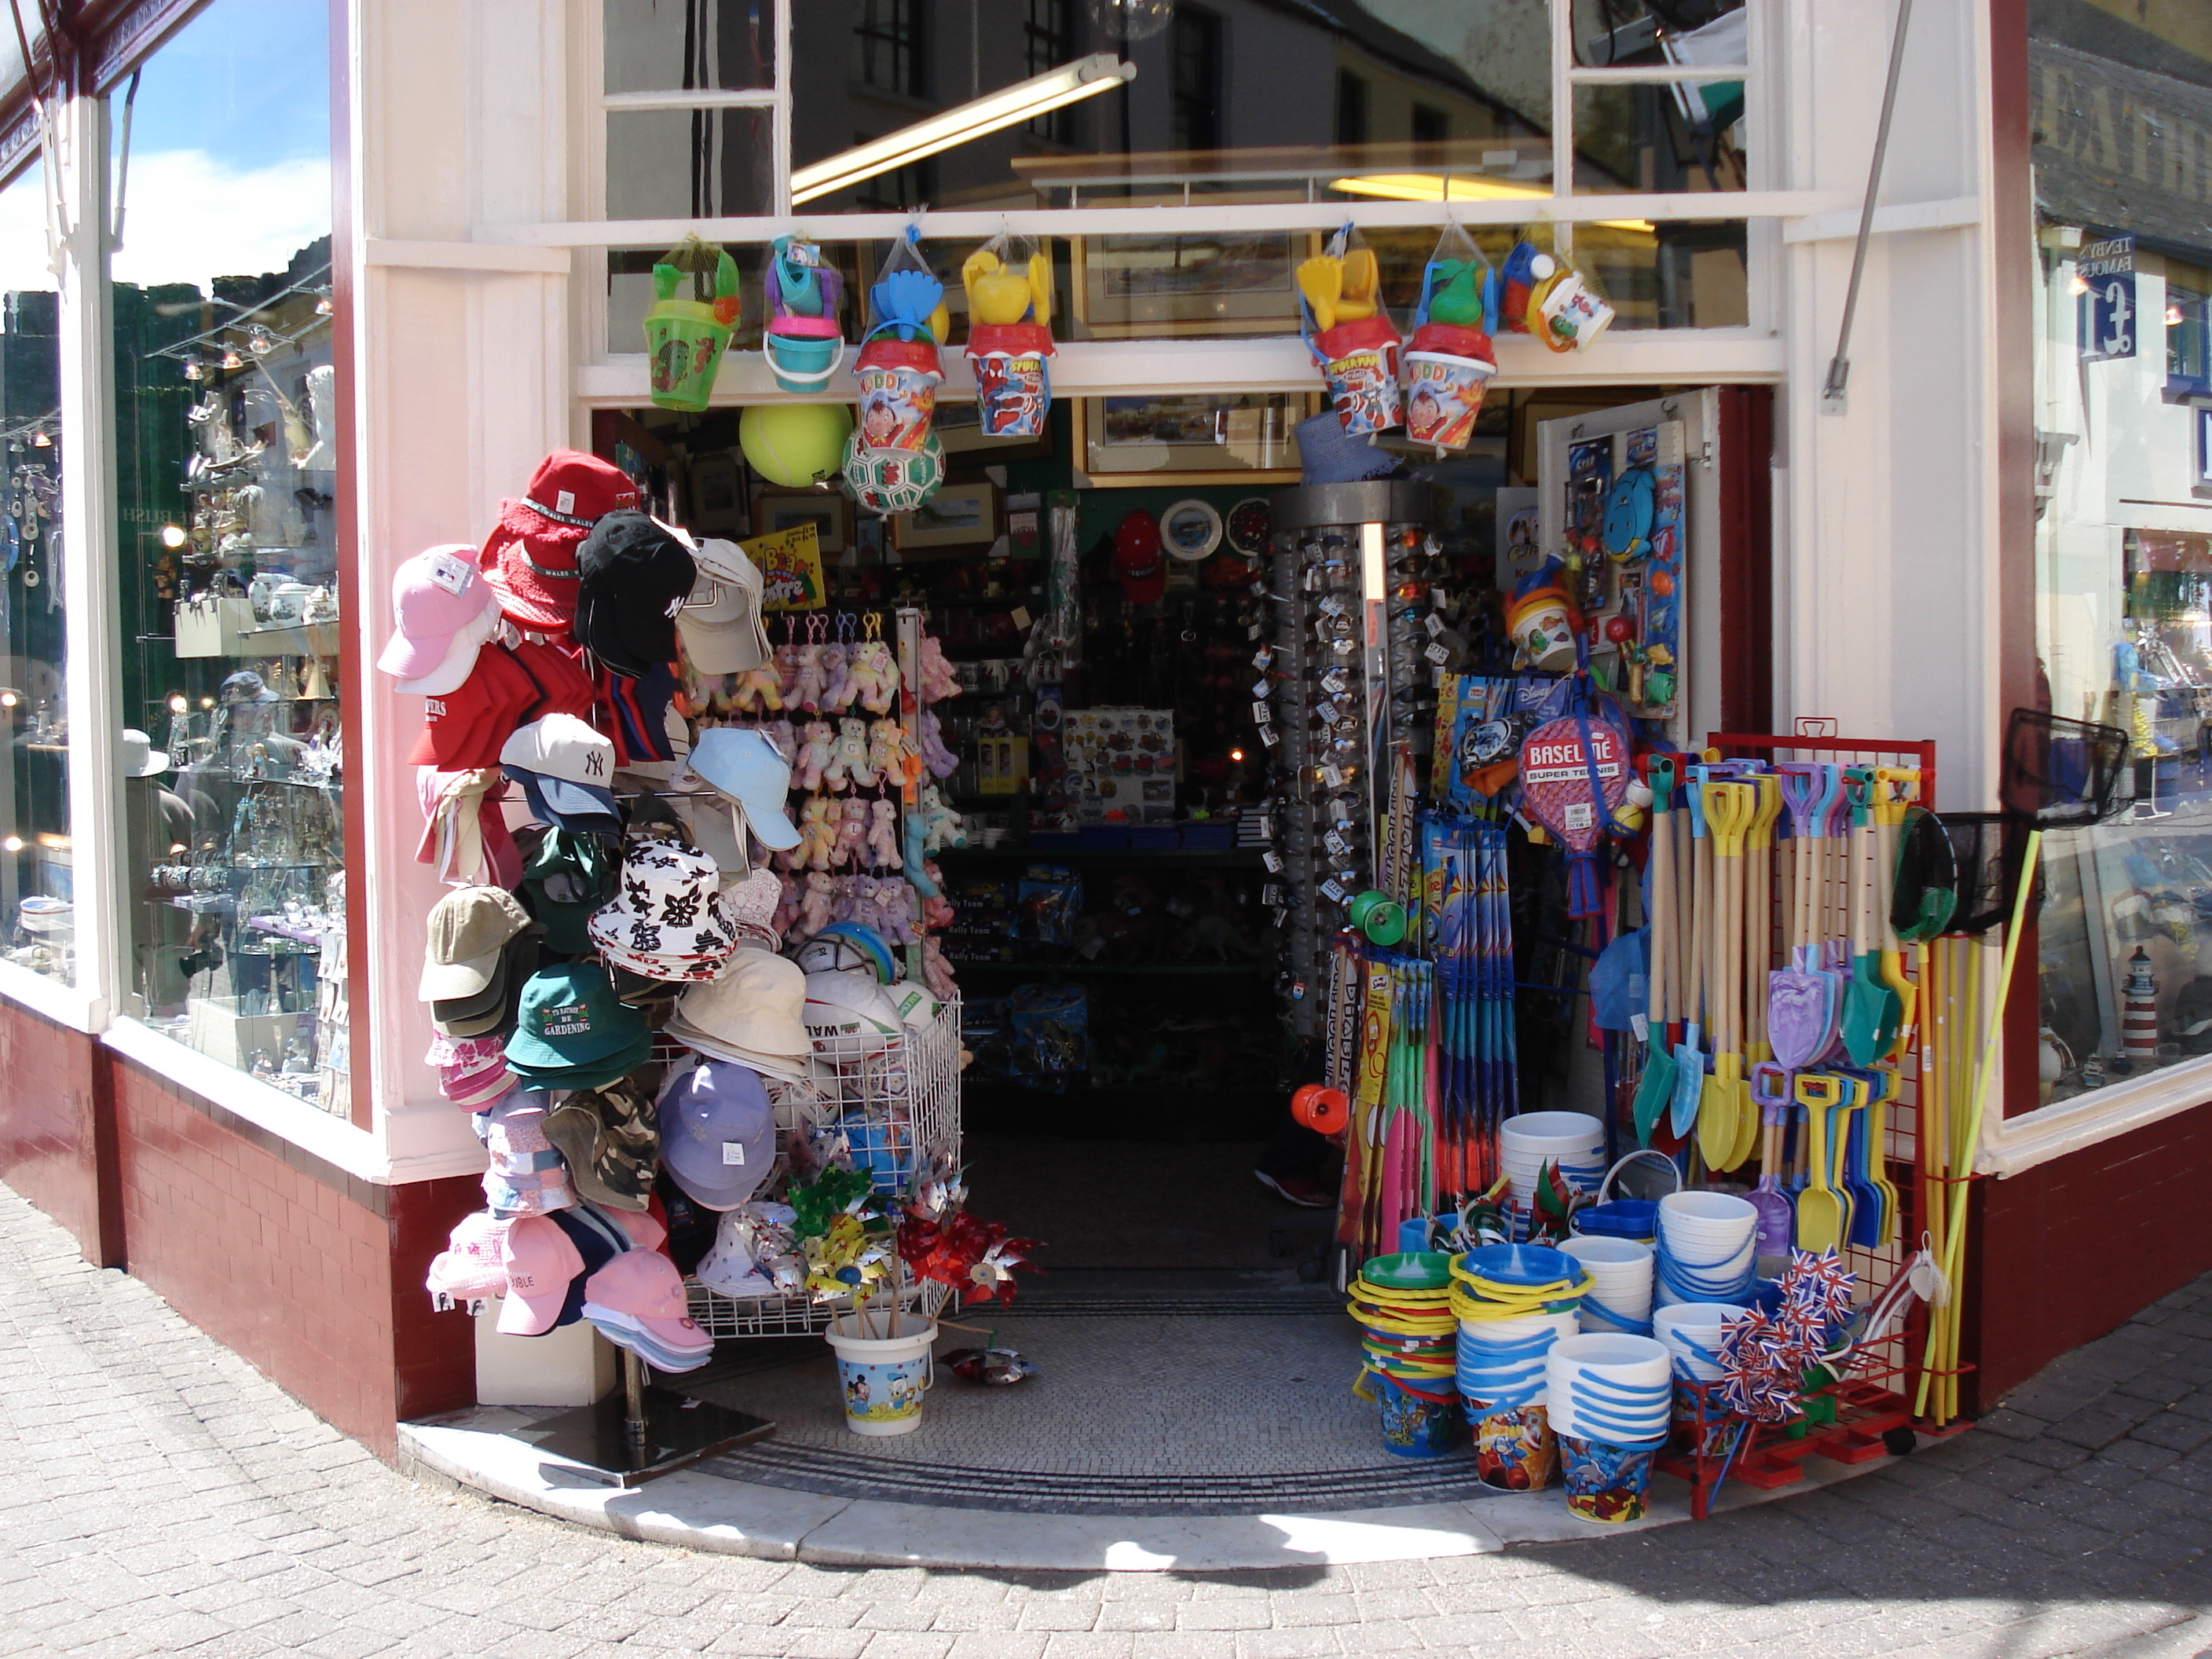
column 1100, row 72
column 1430, row 187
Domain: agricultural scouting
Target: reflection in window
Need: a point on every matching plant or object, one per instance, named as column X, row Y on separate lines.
column 890, row 47
column 1351, row 108
column 38, row 916
column 671, row 46
column 226, row 445
column 1049, row 32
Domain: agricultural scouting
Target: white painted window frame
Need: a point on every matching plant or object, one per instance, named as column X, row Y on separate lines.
column 1755, row 352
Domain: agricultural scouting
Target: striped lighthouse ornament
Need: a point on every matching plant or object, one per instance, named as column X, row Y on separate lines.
column 2139, row 1010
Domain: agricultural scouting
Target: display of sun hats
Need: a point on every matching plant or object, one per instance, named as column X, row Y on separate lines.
column 751, row 1014
column 721, row 622
column 565, row 878
column 599, row 1237
column 1621, row 1273
column 1138, row 563
column 1707, row 1246
column 542, row 1260
column 472, row 1268
column 717, row 1133
column 654, row 1000
column 848, row 1017
column 741, row 764
column 468, row 930
column 567, row 770
column 472, row 1071
column 572, row 1033
column 844, row 945
column 632, row 572
column 637, row 1302
column 442, row 610
column 531, row 558
column 564, row 683
column 666, row 920
column 609, row 1140
column 528, row 1175
column 465, row 727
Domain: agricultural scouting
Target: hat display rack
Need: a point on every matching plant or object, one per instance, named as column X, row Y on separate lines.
column 246, row 737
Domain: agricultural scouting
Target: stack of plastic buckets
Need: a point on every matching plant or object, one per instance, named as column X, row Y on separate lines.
column 1608, row 1399
column 1403, row 1303
column 1573, row 1140
column 1691, row 1332
column 1513, row 1302
column 1706, row 1242
column 1620, row 1271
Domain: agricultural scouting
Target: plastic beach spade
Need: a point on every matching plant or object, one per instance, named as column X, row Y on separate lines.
column 1657, row 1086
column 1820, row 1219
column 1872, row 1009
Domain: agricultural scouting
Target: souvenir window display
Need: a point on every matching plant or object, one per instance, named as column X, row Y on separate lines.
column 38, row 913
column 226, row 440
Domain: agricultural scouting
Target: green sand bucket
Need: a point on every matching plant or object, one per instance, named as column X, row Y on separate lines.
column 685, row 339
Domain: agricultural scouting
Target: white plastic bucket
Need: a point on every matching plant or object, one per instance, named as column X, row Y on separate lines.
column 1615, row 1389
column 1552, row 1134
column 882, row 1378
column 1691, row 1330
column 1620, row 1271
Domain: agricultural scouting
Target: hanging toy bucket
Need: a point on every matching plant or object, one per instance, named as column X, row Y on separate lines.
column 1447, row 371
column 1570, row 315
column 898, row 393
column 1423, row 1424
column 800, row 359
column 1359, row 361
column 1013, row 377
column 685, row 339
column 882, row 1378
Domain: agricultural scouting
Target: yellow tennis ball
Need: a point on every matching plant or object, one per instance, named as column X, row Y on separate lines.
column 795, row 444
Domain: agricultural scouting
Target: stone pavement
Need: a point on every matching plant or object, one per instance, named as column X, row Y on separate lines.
column 167, row 1500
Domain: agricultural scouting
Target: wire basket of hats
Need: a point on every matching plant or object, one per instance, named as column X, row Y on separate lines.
column 882, row 1095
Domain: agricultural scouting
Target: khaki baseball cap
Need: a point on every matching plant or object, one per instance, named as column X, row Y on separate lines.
column 468, row 930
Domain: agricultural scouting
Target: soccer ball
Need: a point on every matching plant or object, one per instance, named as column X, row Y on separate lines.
column 888, row 481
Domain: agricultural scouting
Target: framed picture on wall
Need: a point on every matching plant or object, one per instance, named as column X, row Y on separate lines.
column 1184, row 285
column 718, row 496
column 830, row 512
column 1244, row 438
column 958, row 516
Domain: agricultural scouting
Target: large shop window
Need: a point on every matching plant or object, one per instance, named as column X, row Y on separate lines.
column 895, row 105
column 37, row 891
column 226, row 474
column 2124, row 535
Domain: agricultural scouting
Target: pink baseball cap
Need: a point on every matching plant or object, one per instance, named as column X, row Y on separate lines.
column 541, row 1264
column 644, row 1288
column 444, row 610
column 473, row 1265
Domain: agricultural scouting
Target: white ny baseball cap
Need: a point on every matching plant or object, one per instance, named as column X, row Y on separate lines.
column 563, row 765
column 720, row 622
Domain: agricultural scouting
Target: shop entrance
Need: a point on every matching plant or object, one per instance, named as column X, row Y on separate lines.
column 1123, row 897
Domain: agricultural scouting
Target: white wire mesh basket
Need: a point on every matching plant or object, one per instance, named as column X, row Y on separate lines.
column 899, row 1107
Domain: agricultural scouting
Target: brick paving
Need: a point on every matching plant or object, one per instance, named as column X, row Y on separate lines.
column 169, row 1499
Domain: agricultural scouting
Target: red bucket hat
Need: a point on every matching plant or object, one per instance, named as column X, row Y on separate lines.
column 531, row 559
column 1138, row 564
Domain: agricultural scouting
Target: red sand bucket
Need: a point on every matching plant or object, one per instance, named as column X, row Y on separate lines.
column 898, row 392
column 1013, row 377
column 1359, row 361
column 1446, row 370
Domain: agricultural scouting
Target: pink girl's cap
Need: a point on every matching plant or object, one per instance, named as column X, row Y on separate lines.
column 438, row 599
column 541, row 1264
column 645, row 1230
column 473, row 1265
column 645, row 1286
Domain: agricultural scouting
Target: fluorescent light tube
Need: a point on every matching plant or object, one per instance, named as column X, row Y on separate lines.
column 1100, row 72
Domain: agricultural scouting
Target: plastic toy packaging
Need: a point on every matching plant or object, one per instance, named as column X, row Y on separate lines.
column 1051, row 1032
column 893, row 461
column 1049, row 899
column 804, row 344
column 1351, row 336
column 685, row 339
column 1546, row 297
column 1009, row 284
column 1450, row 361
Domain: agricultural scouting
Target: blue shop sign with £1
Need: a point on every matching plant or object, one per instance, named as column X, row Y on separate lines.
column 2107, row 271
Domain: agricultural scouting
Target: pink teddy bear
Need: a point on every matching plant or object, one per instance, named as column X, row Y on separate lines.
column 814, row 911
column 938, row 680
column 936, row 910
column 883, row 836
column 852, row 835
column 814, row 757
column 806, row 679
column 937, row 972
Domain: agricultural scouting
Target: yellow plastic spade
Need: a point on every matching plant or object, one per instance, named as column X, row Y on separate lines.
column 1895, row 788
column 1820, row 1211
column 1321, row 281
column 1362, row 280
column 1729, row 809
column 995, row 294
column 1041, row 286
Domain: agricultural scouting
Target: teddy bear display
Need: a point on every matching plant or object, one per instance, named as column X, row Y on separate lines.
column 806, row 681
column 815, row 756
column 758, row 690
column 940, row 826
column 883, row 836
column 937, row 679
column 851, row 764
column 874, row 674
column 838, row 687
column 852, row 834
column 941, row 762
column 886, row 744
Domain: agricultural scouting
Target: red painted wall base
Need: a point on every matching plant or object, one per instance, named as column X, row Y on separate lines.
column 2069, row 1250
column 311, row 1273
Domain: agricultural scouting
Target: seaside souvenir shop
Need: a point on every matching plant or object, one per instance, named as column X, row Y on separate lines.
column 1330, row 652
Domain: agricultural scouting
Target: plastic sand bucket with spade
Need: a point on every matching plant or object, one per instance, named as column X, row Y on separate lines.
column 1450, row 361
column 685, row 339
column 803, row 343
column 1009, row 345
column 1351, row 336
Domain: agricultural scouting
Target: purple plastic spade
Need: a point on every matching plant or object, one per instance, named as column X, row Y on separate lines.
column 1802, row 1007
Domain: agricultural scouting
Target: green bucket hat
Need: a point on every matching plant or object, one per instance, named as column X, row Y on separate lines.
column 565, row 878
column 572, row 1025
